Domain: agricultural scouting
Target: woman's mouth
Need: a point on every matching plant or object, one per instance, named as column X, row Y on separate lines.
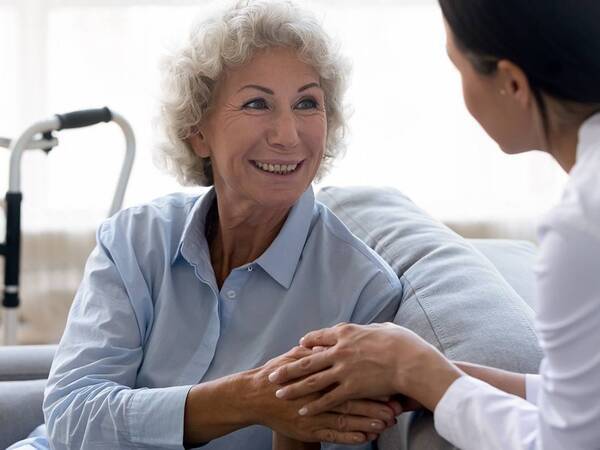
column 277, row 169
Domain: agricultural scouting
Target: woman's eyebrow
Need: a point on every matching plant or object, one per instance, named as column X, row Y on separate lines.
column 270, row 92
column 309, row 85
column 256, row 86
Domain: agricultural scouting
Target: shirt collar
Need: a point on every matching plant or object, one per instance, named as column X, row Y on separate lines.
column 589, row 136
column 192, row 245
column 280, row 260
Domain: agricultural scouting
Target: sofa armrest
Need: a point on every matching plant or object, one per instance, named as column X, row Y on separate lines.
column 25, row 362
column 20, row 409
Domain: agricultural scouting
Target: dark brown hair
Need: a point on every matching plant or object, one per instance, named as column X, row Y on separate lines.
column 555, row 42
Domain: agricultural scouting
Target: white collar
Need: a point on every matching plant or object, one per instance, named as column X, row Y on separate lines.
column 589, row 136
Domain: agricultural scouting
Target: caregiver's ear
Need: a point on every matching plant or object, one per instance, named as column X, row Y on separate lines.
column 199, row 144
column 514, row 83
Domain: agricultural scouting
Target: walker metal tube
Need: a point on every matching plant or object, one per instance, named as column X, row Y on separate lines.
column 19, row 145
column 11, row 248
column 127, row 162
column 12, row 245
column 38, row 144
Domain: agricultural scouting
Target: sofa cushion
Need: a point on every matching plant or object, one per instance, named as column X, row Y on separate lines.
column 514, row 260
column 454, row 297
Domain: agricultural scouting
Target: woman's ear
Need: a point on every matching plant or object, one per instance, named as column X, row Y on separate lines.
column 514, row 83
column 198, row 143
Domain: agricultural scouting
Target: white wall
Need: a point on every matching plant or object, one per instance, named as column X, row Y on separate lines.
column 410, row 128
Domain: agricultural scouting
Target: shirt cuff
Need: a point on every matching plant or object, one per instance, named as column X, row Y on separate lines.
column 446, row 416
column 532, row 387
column 156, row 416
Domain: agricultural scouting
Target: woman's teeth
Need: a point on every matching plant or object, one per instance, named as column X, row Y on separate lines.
column 279, row 169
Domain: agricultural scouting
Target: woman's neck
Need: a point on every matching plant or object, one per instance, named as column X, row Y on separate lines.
column 563, row 146
column 239, row 236
column 566, row 119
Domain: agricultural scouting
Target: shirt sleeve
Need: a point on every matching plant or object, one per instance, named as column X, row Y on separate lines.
column 90, row 399
column 474, row 415
column 379, row 299
column 532, row 387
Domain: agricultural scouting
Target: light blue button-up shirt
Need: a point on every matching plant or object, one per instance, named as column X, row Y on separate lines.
column 149, row 321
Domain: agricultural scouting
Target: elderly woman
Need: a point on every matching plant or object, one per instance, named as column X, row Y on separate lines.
column 187, row 302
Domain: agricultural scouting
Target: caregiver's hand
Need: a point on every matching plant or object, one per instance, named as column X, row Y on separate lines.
column 349, row 423
column 365, row 361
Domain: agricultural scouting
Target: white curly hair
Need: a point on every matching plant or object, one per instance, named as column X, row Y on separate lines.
column 190, row 74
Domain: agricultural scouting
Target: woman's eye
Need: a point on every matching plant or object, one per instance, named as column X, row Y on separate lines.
column 307, row 103
column 257, row 103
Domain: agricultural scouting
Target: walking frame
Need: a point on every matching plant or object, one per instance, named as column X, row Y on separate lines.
column 40, row 136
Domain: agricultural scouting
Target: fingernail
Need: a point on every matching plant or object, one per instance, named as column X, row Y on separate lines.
column 303, row 411
column 385, row 414
column 357, row 438
column 377, row 425
column 280, row 393
column 273, row 376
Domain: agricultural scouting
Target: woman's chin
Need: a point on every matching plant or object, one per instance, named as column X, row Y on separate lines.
column 513, row 149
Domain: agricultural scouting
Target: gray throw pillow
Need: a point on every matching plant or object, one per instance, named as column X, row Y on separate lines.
column 454, row 297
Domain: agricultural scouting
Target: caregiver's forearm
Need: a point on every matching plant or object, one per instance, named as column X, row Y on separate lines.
column 511, row 382
column 216, row 408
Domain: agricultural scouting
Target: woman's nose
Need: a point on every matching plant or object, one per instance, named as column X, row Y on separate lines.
column 284, row 132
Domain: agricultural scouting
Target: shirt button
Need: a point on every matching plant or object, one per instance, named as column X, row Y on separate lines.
column 231, row 294
column 250, row 268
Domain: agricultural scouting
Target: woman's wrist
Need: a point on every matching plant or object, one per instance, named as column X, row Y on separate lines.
column 428, row 379
column 216, row 408
column 510, row 382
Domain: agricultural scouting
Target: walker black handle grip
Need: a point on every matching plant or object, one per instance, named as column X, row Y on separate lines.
column 84, row 118
column 12, row 249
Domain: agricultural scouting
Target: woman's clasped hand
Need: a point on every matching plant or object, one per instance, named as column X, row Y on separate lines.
column 348, row 422
column 351, row 361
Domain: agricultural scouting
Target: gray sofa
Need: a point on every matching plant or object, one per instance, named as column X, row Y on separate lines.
column 471, row 299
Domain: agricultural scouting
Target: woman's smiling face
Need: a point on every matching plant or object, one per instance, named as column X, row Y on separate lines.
column 266, row 130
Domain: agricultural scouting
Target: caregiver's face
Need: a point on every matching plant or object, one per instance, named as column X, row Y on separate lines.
column 501, row 102
column 266, row 130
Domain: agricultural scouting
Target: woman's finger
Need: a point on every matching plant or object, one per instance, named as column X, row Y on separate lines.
column 350, row 423
column 327, row 402
column 368, row 408
column 324, row 338
column 396, row 406
column 312, row 363
column 291, row 355
column 337, row 437
column 309, row 385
